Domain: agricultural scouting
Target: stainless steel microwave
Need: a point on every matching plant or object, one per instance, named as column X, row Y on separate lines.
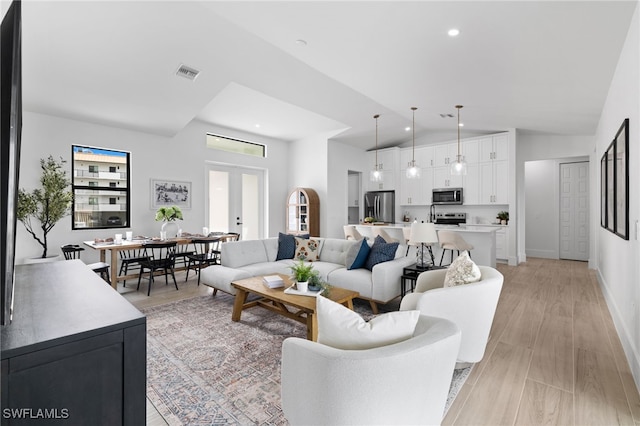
column 447, row 196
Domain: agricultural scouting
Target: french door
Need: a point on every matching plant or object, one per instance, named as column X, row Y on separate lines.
column 236, row 200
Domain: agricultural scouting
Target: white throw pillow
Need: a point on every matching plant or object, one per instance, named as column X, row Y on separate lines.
column 342, row 328
column 462, row 270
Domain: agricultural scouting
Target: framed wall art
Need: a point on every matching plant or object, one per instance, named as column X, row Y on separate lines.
column 167, row 192
column 614, row 181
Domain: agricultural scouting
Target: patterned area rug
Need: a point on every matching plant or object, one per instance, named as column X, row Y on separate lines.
column 204, row 369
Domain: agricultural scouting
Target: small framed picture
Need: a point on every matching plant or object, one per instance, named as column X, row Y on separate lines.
column 167, row 192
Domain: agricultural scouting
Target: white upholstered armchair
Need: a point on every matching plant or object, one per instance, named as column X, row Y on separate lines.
column 471, row 306
column 403, row 383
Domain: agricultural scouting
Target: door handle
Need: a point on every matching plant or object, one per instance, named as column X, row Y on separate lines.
column 238, row 223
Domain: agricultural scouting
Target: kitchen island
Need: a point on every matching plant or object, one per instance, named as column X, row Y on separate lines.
column 482, row 238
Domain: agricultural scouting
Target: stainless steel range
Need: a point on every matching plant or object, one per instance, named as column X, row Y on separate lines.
column 450, row 218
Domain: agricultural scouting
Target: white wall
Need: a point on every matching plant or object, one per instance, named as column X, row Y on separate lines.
column 542, row 207
column 182, row 157
column 616, row 259
column 533, row 147
column 342, row 158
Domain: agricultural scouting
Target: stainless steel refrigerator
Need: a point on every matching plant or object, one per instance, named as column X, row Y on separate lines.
column 380, row 205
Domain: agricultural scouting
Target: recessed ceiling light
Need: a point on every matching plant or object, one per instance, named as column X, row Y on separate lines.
column 406, row 129
column 301, row 42
column 453, row 32
column 257, row 126
column 461, row 124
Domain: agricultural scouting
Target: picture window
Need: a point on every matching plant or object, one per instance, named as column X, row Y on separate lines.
column 96, row 193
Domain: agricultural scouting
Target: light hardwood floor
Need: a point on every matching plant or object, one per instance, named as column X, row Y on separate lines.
column 553, row 356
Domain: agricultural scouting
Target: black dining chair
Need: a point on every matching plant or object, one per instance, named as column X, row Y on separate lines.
column 72, row 251
column 161, row 257
column 229, row 236
column 204, row 255
column 131, row 259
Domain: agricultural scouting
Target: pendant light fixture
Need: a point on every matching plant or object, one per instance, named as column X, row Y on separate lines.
column 459, row 167
column 413, row 171
column 376, row 174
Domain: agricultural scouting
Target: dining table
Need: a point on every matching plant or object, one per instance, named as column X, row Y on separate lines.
column 136, row 243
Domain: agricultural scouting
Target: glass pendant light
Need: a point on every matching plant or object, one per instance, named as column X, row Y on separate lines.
column 459, row 167
column 413, row 171
column 376, row 174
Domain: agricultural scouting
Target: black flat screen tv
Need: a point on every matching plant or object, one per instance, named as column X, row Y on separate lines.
column 10, row 132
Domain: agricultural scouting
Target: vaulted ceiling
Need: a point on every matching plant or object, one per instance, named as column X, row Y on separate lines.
column 292, row 69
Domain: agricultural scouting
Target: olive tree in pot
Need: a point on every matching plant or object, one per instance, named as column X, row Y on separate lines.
column 40, row 209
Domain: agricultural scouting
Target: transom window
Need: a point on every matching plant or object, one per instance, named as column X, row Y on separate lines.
column 101, row 197
column 236, row 145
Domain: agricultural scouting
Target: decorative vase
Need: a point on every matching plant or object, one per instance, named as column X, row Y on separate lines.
column 314, row 287
column 168, row 231
column 302, row 286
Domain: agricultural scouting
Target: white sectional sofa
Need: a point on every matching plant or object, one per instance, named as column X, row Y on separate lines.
column 249, row 258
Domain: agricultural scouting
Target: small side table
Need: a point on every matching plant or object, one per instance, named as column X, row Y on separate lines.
column 410, row 273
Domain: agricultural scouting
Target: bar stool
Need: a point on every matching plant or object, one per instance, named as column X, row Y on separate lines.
column 451, row 240
column 72, row 251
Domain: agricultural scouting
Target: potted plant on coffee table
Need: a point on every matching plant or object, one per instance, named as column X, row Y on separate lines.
column 45, row 205
column 301, row 272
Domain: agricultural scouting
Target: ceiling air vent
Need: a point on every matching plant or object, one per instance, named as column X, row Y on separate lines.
column 187, row 72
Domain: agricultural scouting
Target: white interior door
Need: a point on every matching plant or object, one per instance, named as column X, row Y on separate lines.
column 236, row 200
column 574, row 211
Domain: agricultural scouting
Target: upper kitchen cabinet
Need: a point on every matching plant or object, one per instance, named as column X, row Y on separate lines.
column 471, row 151
column 388, row 159
column 416, row 191
column 442, row 178
column 471, row 184
column 444, row 154
column 494, row 179
column 494, row 148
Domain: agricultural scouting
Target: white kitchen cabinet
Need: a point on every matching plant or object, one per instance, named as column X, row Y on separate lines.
column 442, row 178
column 444, row 154
column 387, row 163
column 416, row 191
column 494, row 182
column 502, row 243
column 387, row 159
column 471, row 184
column 494, row 148
column 471, row 151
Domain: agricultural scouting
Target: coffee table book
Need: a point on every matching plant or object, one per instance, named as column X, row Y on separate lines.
column 273, row 281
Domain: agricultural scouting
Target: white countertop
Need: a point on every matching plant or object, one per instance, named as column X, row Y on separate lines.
column 467, row 228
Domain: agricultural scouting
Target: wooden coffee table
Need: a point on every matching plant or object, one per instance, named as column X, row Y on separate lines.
column 299, row 308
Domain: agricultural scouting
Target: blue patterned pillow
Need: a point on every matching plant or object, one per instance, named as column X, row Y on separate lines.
column 357, row 255
column 380, row 252
column 287, row 245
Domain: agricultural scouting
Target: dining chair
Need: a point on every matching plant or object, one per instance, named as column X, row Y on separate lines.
column 161, row 257
column 131, row 259
column 182, row 253
column 72, row 251
column 229, row 236
column 205, row 255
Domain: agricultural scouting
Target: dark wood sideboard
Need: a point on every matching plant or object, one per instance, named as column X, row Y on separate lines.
column 75, row 350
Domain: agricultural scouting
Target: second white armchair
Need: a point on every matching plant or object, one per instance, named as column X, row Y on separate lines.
column 470, row 306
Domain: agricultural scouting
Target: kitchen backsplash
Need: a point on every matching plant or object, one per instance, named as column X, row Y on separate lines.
column 475, row 214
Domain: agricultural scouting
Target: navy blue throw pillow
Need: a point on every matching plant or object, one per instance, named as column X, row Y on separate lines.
column 360, row 256
column 381, row 251
column 287, row 245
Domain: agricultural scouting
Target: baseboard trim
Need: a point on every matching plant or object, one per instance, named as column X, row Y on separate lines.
column 633, row 357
